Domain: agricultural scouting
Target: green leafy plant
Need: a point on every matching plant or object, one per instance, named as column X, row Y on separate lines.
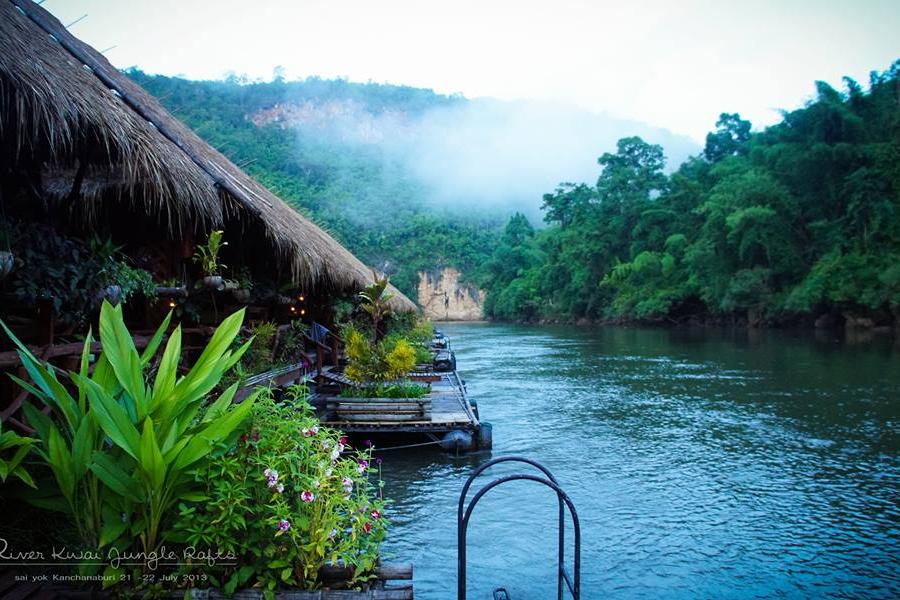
column 376, row 302
column 259, row 357
column 290, row 498
column 122, row 447
column 207, row 255
column 395, row 390
column 11, row 466
column 291, row 342
column 390, row 359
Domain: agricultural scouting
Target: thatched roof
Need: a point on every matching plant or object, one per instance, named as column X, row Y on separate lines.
column 63, row 104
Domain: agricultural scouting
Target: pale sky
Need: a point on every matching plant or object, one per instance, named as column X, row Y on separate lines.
column 669, row 63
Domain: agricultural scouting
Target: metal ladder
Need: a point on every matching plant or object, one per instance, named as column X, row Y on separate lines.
column 464, row 514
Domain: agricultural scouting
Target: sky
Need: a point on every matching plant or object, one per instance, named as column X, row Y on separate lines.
column 671, row 64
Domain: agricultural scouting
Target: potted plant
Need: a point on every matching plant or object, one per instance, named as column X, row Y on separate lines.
column 117, row 280
column 244, row 286
column 207, row 256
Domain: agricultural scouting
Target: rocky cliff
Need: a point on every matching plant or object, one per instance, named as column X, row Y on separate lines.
column 444, row 298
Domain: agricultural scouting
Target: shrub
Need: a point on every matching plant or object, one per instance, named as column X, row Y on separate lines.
column 122, row 448
column 397, row 390
column 400, row 360
column 290, row 498
column 391, row 358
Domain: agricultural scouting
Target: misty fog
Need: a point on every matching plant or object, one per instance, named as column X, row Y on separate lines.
column 484, row 154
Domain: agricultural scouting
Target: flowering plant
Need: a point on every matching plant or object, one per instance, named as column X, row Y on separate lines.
column 291, row 497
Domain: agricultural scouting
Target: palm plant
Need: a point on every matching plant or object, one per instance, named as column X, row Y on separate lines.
column 375, row 301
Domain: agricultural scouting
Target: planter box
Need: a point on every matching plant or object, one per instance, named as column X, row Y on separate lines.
column 380, row 409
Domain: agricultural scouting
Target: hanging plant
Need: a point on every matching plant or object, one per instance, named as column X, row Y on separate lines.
column 207, row 256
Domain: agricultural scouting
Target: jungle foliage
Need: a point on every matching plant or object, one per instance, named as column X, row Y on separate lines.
column 796, row 221
column 380, row 213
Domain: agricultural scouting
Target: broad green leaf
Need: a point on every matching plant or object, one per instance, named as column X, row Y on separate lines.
column 151, row 458
column 83, row 369
column 53, row 390
column 113, row 525
column 201, row 443
column 61, row 464
column 208, row 362
column 113, row 419
column 31, row 390
column 167, row 373
column 221, row 405
column 37, row 419
column 155, row 341
column 119, row 350
column 83, row 446
column 115, row 478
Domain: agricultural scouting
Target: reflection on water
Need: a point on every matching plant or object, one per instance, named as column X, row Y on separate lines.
column 702, row 464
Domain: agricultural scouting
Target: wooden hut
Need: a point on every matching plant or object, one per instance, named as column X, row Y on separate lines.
column 85, row 149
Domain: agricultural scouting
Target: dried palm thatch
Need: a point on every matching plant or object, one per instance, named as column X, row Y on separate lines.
column 65, row 109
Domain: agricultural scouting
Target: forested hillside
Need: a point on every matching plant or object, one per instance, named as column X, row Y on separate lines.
column 798, row 222
column 356, row 191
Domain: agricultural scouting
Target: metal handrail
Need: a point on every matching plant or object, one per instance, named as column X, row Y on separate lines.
column 573, row 583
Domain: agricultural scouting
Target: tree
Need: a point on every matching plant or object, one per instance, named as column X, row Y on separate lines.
column 731, row 135
column 632, row 174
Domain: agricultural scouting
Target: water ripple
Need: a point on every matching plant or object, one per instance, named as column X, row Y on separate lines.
column 702, row 465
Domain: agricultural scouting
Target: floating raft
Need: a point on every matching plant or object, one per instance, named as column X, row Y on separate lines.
column 444, row 409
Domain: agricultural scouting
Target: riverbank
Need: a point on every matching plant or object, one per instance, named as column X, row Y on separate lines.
column 851, row 324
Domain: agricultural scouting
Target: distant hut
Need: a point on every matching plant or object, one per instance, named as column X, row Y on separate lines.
column 84, row 149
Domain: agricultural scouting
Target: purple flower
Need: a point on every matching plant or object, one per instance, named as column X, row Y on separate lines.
column 307, row 496
column 375, row 514
column 362, row 465
column 378, row 460
column 284, row 525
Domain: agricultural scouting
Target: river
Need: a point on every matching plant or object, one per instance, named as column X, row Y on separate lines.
column 702, row 464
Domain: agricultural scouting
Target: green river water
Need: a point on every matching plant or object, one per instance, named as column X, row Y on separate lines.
column 702, row 463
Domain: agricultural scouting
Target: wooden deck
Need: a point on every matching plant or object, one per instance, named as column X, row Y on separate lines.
column 449, row 409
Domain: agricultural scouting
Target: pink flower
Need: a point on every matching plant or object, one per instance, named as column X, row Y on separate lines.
column 271, row 477
column 307, row 496
column 367, row 527
column 284, row 525
column 343, row 440
column 375, row 514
